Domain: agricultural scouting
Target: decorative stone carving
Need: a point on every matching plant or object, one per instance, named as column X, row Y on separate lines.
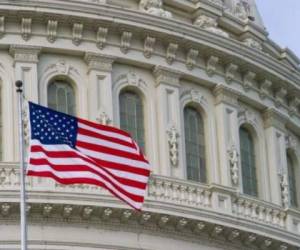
column 2, row 26
column 253, row 43
column 47, row 209
column 103, row 118
column 126, row 215
column 264, row 90
column 284, row 190
column 171, row 52
column 266, row 243
column 191, row 59
column 101, row 37
column 250, row 239
column 230, row 72
column 242, row 10
column 291, row 142
column 154, row 7
column 52, row 31
column 234, row 164
column 234, row 234
column 199, row 227
column 26, row 28
column 181, row 224
column 126, row 41
column 280, row 95
column 216, row 231
column 99, row 62
column 149, row 46
column 163, row 220
column 173, row 145
column 283, row 247
column 67, row 211
column 193, row 95
column 294, row 104
column 248, row 80
column 5, row 209
column 211, row 65
column 145, row 217
column 209, row 24
column 77, row 33
column 107, row 214
column 87, row 212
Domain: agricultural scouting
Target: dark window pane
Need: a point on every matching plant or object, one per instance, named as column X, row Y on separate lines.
column 248, row 163
column 292, row 182
column 194, row 145
column 132, row 116
column 61, row 97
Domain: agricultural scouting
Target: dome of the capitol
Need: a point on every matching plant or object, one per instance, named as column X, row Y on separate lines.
column 209, row 97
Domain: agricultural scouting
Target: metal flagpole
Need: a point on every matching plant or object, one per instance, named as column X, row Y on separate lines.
column 19, row 85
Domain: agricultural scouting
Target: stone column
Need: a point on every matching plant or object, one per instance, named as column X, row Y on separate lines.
column 100, row 101
column 274, row 125
column 168, row 119
column 25, row 69
column 228, row 138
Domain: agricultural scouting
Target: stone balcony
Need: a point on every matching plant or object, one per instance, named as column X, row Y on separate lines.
column 172, row 204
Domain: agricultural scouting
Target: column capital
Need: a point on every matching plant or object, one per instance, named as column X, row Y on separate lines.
column 273, row 118
column 22, row 53
column 99, row 62
column 225, row 95
column 164, row 75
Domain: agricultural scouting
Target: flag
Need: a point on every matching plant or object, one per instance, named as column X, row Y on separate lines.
column 72, row 150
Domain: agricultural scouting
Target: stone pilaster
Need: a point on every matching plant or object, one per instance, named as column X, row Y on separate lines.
column 25, row 69
column 100, row 106
column 168, row 118
column 228, row 138
column 274, row 126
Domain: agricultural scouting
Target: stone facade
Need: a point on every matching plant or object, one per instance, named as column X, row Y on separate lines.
column 207, row 53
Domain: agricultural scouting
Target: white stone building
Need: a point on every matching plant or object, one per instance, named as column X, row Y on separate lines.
column 212, row 100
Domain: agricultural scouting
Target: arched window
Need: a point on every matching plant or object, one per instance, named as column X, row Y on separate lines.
column 194, row 145
column 61, row 97
column 292, row 182
column 249, row 177
column 132, row 116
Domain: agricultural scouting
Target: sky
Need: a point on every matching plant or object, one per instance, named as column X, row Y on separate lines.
column 282, row 20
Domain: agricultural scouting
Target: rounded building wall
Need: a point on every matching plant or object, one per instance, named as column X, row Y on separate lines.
column 223, row 188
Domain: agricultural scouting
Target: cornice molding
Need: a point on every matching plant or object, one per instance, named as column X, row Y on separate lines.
column 99, row 62
column 23, row 53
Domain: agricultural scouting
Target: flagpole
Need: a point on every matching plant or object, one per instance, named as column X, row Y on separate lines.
column 19, row 86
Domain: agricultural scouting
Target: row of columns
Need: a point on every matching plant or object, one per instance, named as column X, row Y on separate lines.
column 168, row 116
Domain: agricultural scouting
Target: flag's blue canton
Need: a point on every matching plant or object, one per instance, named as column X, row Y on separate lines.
column 52, row 127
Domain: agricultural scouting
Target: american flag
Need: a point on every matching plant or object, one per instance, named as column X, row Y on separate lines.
column 76, row 151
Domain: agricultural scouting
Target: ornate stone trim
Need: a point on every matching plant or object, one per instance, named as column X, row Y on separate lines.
column 234, row 164
column 248, row 80
column 209, row 24
column 149, row 45
column 280, row 95
column 191, row 58
column 173, row 136
column 125, row 41
column 26, row 28
column 230, row 72
column 264, row 90
column 171, row 52
column 77, row 33
column 52, row 30
column 211, row 65
column 154, row 7
column 101, row 37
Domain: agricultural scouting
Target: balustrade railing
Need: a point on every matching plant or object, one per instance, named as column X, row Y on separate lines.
column 172, row 192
